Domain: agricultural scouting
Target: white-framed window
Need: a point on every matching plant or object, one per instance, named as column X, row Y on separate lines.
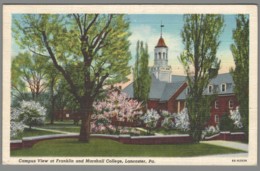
column 223, row 87
column 216, row 104
column 216, row 118
column 164, row 55
column 210, row 88
column 230, row 104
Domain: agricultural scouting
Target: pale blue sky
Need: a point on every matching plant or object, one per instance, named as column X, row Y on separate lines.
column 146, row 27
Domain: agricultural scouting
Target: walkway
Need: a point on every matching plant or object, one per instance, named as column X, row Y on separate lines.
column 144, row 130
column 51, row 130
column 229, row 144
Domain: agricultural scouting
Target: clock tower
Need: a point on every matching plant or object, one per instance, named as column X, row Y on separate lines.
column 161, row 69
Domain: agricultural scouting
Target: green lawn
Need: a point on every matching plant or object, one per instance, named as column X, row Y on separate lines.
column 30, row 133
column 105, row 147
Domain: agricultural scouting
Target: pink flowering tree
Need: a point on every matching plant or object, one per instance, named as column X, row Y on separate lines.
column 118, row 107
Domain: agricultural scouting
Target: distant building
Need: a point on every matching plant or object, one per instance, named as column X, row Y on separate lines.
column 169, row 92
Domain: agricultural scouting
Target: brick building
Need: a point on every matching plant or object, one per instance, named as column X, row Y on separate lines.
column 169, row 92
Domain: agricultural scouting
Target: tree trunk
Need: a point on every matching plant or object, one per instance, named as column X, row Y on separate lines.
column 86, row 111
column 52, row 110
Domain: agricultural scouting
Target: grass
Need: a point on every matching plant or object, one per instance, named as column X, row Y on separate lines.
column 105, row 147
column 30, row 133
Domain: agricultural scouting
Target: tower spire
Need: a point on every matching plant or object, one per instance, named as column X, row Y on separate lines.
column 161, row 28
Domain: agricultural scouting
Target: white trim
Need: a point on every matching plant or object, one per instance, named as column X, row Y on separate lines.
column 237, row 133
column 216, row 118
column 212, row 136
column 16, row 141
column 160, row 136
column 216, row 106
column 179, row 106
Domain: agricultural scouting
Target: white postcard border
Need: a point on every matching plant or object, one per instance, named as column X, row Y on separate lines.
column 8, row 10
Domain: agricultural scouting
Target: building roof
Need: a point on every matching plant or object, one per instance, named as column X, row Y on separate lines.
column 225, row 78
column 161, row 43
column 178, row 78
column 170, row 89
column 159, row 90
column 163, row 91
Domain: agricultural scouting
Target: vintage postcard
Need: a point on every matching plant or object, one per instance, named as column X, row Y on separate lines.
column 130, row 85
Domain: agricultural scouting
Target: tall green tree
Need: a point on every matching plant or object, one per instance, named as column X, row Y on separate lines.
column 91, row 51
column 28, row 73
column 52, row 79
column 200, row 36
column 142, row 77
column 240, row 51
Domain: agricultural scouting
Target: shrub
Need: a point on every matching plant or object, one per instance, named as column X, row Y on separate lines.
column 226, row 123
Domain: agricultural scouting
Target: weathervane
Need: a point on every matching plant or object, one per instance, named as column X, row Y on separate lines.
column 161, row 28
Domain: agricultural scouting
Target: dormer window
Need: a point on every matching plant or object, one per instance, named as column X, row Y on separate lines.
column 210, row 89
column 223, row 87
column 230, row 104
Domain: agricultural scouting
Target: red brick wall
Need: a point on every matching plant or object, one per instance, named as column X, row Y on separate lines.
column 223, row 107
column 126, row 139
column 153, row 104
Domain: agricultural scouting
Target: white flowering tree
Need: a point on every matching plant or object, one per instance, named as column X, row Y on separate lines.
column 31, row 113
column 182, row 121
column 236, row 117
column 117, row 106
column 150, row 119
column 16, row 126
column 167, row 122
